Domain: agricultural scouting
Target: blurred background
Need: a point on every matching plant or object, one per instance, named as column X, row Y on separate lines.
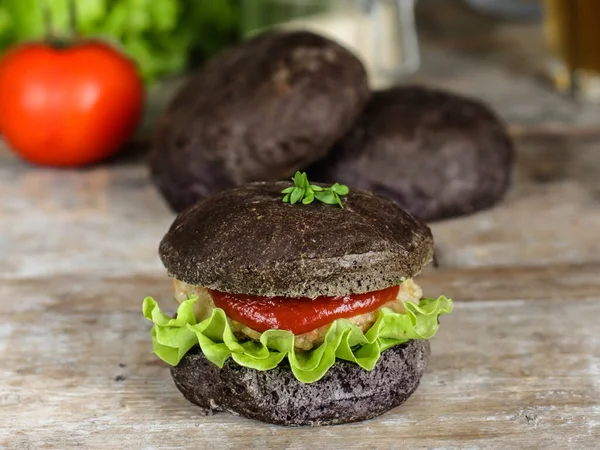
column 535, row 63
column 518, row 54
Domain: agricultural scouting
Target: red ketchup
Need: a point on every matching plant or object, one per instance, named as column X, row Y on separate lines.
column 298, row 315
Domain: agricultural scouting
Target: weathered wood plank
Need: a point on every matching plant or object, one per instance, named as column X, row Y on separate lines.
column 554, row 282
column 105, row 219
column 535, row 225
column 108, row 220
column 78, row 254
column 77, row 371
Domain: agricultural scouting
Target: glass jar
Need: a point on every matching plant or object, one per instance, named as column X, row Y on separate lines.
column 573, row 37
column 381, row 33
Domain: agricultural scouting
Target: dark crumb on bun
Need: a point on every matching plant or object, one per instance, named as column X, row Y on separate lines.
column 436, row 154
column 247, row 241
column 347, row 393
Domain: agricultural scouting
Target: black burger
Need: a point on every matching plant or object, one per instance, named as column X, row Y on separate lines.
column 296, row 312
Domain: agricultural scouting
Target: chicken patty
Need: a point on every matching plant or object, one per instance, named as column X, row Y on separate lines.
column 409, row 291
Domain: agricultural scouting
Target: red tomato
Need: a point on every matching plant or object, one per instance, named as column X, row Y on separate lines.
column 298, row 315
column 70, row 106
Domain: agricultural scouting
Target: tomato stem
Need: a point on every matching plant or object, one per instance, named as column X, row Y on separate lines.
column 48, row 32
column 73, row 19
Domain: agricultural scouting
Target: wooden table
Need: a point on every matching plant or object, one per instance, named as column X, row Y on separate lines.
column 516, row 366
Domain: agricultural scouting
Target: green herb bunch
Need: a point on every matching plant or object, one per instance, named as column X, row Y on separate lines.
column 306, row 193
column 163, row 37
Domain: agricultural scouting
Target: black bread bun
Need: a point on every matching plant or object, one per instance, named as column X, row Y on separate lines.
column 258, row 111
column 347, row 393
column 247, row 241
column 436, row 154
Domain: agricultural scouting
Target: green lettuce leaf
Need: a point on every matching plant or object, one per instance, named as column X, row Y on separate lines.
column 173, row 338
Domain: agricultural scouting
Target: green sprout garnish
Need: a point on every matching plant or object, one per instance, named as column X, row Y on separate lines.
column 306, row 193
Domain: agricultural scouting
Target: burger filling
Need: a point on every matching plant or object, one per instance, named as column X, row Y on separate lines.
column 308, row 319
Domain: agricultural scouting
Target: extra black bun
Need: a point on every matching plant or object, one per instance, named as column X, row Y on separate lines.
column 347, row 393
column 257, row 112
column 246, row 240
column 436, row 154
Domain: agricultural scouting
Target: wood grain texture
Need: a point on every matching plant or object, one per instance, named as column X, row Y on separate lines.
column 108, row 220
column 553, row 282
column 516, row 366
column 77, row 371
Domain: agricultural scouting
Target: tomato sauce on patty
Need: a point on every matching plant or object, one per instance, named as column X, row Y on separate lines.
column 298, row 315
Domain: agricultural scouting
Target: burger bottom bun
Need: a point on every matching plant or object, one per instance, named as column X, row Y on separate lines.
column 347, row 393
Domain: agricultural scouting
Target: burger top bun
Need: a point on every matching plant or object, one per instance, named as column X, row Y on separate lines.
column 248, row 241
